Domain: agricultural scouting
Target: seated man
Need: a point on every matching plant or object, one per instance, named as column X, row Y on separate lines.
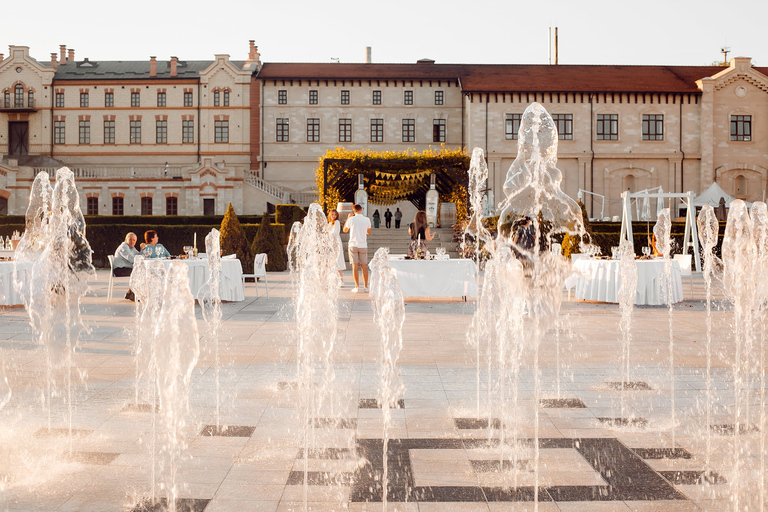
column 123, row 262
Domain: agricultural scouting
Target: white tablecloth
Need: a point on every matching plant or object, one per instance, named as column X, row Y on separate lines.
column 8, row 294
column 231, row 284
column 436, row 278
column 600, row 280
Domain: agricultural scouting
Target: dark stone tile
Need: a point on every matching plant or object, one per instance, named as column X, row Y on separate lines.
column 93, row 458
column 140, row 408
column 350, row 423
column 228, row 431
column 728, row 429
column 373, row 403
column 692, row 477
column 496, row 466
column 527, row 493
column 446, row 493
column 662, row 453
column 326, row 453
column 161, row 505
column 636, row 385
column 580, row 493
column 562, row 403
column 475, row 423
column 624, row 422
column 319, row 478
column 61, row 432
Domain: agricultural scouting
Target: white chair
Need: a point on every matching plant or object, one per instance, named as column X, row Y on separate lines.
column 259, row 271
column 112, row 277
column 686, row 267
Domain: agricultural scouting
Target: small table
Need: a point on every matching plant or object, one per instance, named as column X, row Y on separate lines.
column 599, row 280
column 10, row 271
column 231, row 283
column 436, row 278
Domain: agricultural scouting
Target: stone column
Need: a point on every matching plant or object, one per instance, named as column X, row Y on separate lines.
column 707, row 127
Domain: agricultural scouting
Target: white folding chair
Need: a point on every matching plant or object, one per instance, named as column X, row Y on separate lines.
column 259, row 272
column 112, row 278
column 686, row 263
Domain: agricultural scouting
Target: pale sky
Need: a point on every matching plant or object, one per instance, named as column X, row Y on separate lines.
column 679, row 32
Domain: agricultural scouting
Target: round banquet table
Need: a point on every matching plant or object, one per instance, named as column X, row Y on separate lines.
column 9, row 296
column 599, row 280
column 230, row 285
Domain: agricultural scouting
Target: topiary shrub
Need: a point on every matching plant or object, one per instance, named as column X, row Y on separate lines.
column 269, row 240
column 289, row 213
column 233, row 239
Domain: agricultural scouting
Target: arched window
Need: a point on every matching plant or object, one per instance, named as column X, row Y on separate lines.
column 18, row 96
column 7, row 99
column 216, row 98
column 226, row 97
column 741, row 185
column 630, row 183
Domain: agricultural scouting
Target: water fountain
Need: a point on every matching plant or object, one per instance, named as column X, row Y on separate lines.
column 626, row 305
column 210, row 301
column 389, row 315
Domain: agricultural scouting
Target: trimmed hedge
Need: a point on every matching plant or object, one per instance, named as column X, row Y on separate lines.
column 288, row 214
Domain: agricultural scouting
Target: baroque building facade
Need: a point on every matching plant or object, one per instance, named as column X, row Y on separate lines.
column 188, row 137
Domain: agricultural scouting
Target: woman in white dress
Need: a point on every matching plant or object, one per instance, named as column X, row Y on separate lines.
column 333, row 220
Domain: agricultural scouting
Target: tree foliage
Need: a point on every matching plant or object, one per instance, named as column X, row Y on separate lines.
column 269, row 240
column 233, row 240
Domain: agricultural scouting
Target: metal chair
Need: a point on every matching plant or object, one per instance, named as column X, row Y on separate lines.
column 259, row 272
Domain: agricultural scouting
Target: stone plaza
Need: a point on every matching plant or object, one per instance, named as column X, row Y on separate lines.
column 442, row 454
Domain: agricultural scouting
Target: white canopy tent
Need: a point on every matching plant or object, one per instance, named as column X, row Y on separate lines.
column 691, row 237
column 712, row 196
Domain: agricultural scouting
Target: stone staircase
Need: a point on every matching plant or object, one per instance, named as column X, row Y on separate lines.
column 397, row 240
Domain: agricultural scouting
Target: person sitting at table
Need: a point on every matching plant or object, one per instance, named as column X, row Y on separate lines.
column 420, row 235
column 152, row 249
column 122, row 264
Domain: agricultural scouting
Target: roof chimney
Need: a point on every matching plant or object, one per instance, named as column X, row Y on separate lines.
column 367, row 54
column 54, row 61
column 153, row 66
column 63, row 50
column 174, row 60
column 251, row 50
column 71, row 55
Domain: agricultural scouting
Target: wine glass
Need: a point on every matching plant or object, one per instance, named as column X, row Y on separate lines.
column 188, row 250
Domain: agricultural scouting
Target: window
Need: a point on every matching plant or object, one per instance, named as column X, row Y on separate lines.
column 216, row 98
column 161, row 99
column 630, row 183
column 741, row 186
column 512, row 126
column 438, row 97
column 226, row 97
column 161, row 132
column 282, row 97
column 59, row 99
column 313, row 130
column 377, row 130
column 187, row 132
column 564, row 123
column 345, row 130
column 607, row 127
column 31, row 99
column 171, row 205
column 83, row 99
column 59, row 132
column 282, row 129
column 85, row 132
column 409, row 130
column 135, row 132
column 313, row 97
column 109, row 132
column 92, row 206
column 146, row 206
column 187, row 99
column 345, row 97
column 209, row 206
column 221, row 131
column 741, row 128
column 18, row 96
column 438, row 130
column 408, row 97
column 653, row 127
column 377, row 97
column 117, row 206
column 109, row 99
column 7, row 99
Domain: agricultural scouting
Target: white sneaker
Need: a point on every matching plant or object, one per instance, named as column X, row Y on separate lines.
column 355, row 289
column 365, row 288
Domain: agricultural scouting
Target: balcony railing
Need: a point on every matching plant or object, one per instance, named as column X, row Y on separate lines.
column 15, row 105
column 139, row 173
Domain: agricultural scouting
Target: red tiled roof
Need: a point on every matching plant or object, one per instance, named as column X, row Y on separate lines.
column 511, row 77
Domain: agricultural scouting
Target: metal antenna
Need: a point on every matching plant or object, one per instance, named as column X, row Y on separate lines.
column 725, row 51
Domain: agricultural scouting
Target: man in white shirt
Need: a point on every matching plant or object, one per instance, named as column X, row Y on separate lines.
column 359, row 227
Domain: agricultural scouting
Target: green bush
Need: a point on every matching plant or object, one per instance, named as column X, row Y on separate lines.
column 289, row 213
column 269, row 239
